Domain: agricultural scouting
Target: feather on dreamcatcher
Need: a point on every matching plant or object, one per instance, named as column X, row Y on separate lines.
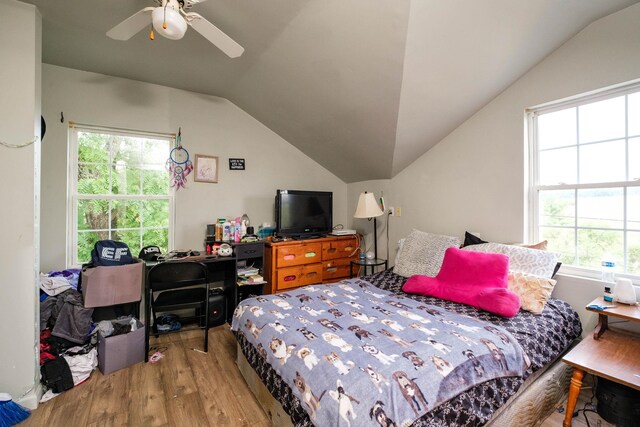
column 178, row 164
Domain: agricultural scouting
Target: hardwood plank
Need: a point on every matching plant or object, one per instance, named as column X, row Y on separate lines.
column 176, row 377
column 110, row 395
column 146, row 396
column 186, row 410
column 221, row 404
column 121, row 419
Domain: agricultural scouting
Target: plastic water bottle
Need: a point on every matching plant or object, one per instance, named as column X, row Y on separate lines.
column 608, row 277
column 362, row 257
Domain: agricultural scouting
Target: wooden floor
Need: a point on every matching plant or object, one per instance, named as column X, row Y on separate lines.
column 185, row 388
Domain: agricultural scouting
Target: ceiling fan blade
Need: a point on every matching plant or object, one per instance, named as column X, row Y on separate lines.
column 214, row 35
column 188, row 4
column 132, row 25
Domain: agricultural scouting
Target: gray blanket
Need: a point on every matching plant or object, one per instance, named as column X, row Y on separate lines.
column 356, row 354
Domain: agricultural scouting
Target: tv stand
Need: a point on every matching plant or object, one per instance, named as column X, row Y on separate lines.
column 291, row 264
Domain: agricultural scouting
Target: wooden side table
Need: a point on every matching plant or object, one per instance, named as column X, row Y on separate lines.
column 613, row 355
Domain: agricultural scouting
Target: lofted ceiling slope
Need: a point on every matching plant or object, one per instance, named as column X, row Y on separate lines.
column 363, row 87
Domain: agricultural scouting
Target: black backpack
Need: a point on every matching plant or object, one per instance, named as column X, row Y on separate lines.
column 109, row 253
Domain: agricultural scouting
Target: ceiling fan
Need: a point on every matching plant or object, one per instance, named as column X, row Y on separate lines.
column 170, row 19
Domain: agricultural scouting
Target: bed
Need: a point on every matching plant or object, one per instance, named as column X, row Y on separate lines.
column 542, row 339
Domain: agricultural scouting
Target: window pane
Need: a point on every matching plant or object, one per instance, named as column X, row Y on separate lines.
column 633, row 252
column 156, row 151
column 93, row 214
column 558, row 166
column 126, row 180
column 93, row 147
column 633, row 208
column 557, row 129
column 93, row 179
column 634, row 159
column 602, row 120
column 155, row 181
column 601, row 208
column 155, row 213
column 125, row 214
column 86, row 240
column 594, row 244
column 557, row 207
column 604, row 162
column 157, row 237
column 634, row 114
column 560, row 240
column 130, row 237
column 127, row 150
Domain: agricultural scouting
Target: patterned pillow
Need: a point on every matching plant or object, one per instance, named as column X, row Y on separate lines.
column 422, row 253
column 522, row 260
column 534, row 291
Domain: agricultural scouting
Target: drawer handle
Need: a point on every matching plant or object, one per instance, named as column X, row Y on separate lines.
column 289, row 257
column 250, row 251
column 289, row 278
column 309, row 254
column 331, row 250
column 348, row 248
column 311, row 274
column 332, row 269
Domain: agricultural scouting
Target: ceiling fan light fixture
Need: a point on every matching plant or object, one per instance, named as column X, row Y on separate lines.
column 175, row 26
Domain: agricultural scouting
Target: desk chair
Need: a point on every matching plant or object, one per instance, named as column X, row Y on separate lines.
column 177, row 284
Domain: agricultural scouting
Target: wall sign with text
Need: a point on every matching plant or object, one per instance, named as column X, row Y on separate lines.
column 236, row 164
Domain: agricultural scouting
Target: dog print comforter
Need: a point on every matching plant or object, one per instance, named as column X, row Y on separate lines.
column 355, row 354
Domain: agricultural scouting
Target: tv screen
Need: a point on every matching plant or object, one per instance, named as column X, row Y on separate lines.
column 303, row 213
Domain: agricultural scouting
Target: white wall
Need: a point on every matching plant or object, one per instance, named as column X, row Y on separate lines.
column 20, row 67
column 474, row 179
column 210, row 125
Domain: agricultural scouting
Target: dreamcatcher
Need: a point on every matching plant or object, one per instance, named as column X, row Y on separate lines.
column 178, row 164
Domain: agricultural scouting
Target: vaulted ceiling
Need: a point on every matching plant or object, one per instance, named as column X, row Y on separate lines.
column 364, row 87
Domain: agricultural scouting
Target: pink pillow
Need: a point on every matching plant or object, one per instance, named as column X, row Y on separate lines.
column 478, row 279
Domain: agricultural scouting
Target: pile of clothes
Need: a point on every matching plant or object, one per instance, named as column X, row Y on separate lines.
column 68, row 336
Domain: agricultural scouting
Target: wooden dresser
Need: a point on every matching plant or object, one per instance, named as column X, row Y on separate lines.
column 294, row 263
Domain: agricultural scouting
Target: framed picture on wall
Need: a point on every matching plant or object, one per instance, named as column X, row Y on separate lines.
column 206, row 168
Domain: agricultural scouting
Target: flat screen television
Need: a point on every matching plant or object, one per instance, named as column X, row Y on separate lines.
column 303, row 213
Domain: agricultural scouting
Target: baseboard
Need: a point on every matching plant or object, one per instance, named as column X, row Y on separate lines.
column 31, row 399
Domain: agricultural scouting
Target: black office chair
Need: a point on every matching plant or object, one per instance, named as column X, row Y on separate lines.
column 170, row 279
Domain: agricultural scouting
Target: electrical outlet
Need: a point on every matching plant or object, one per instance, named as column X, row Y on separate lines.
column 398, row 212
column 391, row 211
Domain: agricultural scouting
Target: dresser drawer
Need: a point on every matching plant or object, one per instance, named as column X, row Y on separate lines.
column 339, row 249
column 335, row 269
column 288, row 256
column 293, row 277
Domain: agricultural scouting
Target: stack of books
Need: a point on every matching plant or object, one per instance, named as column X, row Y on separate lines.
column 250, row 276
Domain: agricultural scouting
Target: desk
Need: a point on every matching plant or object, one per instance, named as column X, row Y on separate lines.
column 610, row 354
column 221, row 269
column 224, row 269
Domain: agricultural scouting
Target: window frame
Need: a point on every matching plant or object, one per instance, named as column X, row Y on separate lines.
column 72, row 185
column 533, row 169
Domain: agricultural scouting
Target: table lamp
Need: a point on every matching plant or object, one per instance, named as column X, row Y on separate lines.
column 369, row 208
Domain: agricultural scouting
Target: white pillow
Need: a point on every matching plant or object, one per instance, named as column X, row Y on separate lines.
column 521, row 259
column 422, row 253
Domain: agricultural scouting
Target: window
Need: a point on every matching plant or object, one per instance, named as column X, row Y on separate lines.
column 585, row 176
column 119, row 190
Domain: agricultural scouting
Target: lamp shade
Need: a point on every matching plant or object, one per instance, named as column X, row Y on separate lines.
column 176, row 25
column 367, row 206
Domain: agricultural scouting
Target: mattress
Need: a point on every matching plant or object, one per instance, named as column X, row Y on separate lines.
column 543, row 338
